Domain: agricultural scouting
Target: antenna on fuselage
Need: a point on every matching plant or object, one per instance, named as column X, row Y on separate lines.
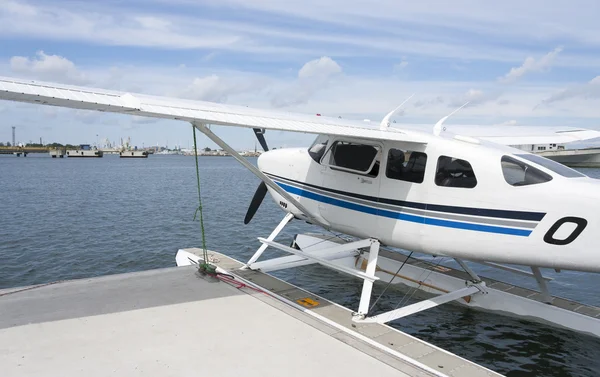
column 437, row 129
column 385, row 122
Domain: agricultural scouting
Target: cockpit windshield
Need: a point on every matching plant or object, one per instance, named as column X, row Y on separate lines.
column 518, row 173
column 317, row 149
column 552, row 165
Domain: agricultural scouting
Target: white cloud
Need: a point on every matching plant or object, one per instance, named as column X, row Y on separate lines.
column 112, row 26
column 511, row 122
column 214, row 88
column 321, row 68
column 590, row 90
column 19, row 9
column 209, row 88
column 358, row 97
column 489, row 18
column 48, row 67
column 532, row 65
column 467, row 30
column 150, row 22
column 210, row 56
column 390, row 29
column 475, row 97
column 429, row 102
column 313, row 77
column 400, row 66
column 319, row 86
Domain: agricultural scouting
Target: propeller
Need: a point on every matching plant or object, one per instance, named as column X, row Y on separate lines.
column 261, row 191
column 257, row 199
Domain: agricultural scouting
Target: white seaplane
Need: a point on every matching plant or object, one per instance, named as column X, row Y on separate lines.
column 455, row 191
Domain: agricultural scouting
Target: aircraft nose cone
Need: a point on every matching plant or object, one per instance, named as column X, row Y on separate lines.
column 266, row 161
column 283, row 162
column 260, row 162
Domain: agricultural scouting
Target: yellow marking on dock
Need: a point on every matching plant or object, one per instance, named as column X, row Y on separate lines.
column 307, row 302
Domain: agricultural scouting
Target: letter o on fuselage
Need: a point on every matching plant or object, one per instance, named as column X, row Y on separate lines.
column 580, row 226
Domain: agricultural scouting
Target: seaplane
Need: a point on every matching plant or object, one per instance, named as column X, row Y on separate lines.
column 459, row 192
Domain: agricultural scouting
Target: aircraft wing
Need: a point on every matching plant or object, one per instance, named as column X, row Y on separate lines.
column 523, row 135
column 191, row 111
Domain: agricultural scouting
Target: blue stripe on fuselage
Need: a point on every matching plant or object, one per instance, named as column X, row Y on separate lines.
column 402, row 216
column 482, row 212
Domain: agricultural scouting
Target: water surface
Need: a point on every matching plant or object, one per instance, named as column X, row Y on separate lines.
column 73, row 218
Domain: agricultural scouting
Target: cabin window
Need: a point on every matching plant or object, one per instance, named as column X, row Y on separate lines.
column 406, row 165
column 317, row 150
column 517, row 173
column 552, row 165
column 354, row 157
column 453, row 172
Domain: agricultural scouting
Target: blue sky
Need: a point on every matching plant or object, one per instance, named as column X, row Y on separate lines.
column 524, row 62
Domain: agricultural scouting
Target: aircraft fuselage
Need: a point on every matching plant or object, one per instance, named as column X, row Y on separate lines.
column 449, row 197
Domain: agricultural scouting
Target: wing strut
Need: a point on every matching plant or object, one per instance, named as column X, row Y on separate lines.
column 205, row 130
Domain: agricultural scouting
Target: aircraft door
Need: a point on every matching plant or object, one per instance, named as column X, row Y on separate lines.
column 403, row 194
column 351, row 181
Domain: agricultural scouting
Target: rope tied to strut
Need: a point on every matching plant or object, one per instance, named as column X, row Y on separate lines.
column 205, row 266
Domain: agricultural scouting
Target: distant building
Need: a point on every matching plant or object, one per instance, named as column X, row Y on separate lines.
column 536, row 148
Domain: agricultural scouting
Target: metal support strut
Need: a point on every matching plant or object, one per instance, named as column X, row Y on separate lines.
column 226, row 147
column 542, row 285
column 468, row 270
column 475, row 286
column 288, row 217
column 328, row 256
column 317, row 257
column 365, row 297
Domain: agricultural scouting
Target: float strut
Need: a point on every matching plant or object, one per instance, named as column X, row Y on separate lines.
column 542, row 284
column 288, row 217
column 365, row 297
column 468, row 270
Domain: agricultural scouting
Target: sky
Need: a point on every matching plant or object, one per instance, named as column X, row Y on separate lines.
column 516, row 62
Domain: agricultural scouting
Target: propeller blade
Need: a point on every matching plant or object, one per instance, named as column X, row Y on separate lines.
column 260, row 135
column 261, row 191
column 257, row 199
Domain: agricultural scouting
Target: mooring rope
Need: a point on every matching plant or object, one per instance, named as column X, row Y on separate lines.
column 205, row 266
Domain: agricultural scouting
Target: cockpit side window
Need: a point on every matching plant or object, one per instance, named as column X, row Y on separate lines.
column 317, row 150
column 517, row 173
column 453, row 172
column 552, row 165
column 354, row 157
column 406, row 165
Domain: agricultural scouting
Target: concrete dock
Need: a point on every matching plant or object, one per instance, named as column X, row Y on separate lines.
column 175, row 322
